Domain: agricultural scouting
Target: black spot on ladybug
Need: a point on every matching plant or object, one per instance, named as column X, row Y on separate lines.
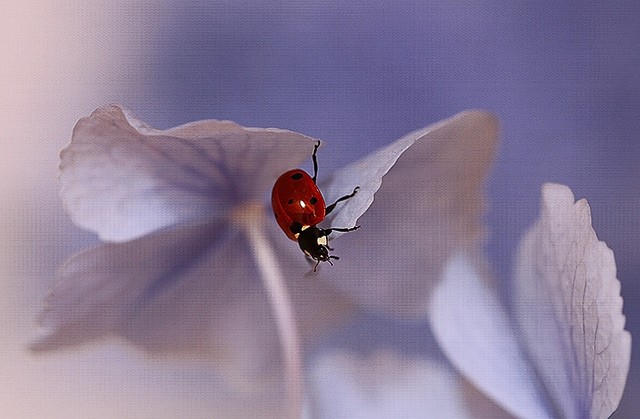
column 290, row 201
column 313, row 200
column 296, row 176
column 275, row 215
column 295, row 227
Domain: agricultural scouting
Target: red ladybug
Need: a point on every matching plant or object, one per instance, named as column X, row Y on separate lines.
column 299, row 206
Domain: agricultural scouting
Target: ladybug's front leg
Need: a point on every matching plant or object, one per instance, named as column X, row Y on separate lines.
column 342, row 198
column 327, row 231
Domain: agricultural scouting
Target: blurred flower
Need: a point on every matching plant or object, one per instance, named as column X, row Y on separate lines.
column 190, row 249
column 388, row 384
column 564, row 352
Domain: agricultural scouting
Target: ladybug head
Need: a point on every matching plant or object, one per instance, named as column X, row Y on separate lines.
column 314, row 243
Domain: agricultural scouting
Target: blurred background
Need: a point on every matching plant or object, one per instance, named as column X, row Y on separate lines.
column 563, row 77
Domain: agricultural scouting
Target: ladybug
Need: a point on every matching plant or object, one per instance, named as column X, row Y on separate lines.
column 299, row 206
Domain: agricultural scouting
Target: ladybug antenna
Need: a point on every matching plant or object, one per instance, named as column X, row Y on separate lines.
column 315, row 268
column 315, row 162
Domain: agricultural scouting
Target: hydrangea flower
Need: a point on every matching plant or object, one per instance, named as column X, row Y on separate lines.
column 193, row 261
column 564, row 352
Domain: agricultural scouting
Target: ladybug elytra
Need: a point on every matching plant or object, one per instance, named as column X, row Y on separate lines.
column 299, row 206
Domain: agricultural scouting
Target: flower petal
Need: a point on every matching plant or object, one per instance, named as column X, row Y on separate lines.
column 428, row 202
column 100, row 289
column 185, row 290
column 569, row 308
column 384, row 385
column 475, row 333
column 122, row 179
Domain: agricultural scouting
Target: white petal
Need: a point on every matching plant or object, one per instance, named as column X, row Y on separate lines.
column 476, row 334
column 568, row 305
column 429, row 203
column 122, row 179
column 100, row 289
column 384, row 385
column 192, row 290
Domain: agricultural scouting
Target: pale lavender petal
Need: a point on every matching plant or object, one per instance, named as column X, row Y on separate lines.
column 99, row 290
column 429, row 203
column 476, row 335
column 384, row 385
column 191, row 290
column 569, row 309
column 122, row 179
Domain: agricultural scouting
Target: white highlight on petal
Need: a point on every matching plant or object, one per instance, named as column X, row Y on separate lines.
column 568, row 305
column 476, row 334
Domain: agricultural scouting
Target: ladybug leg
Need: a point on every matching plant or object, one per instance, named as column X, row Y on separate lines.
column 315, row 268
column 342, row 198
column 328, row 231
column 315, row 162
column 324, row 232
